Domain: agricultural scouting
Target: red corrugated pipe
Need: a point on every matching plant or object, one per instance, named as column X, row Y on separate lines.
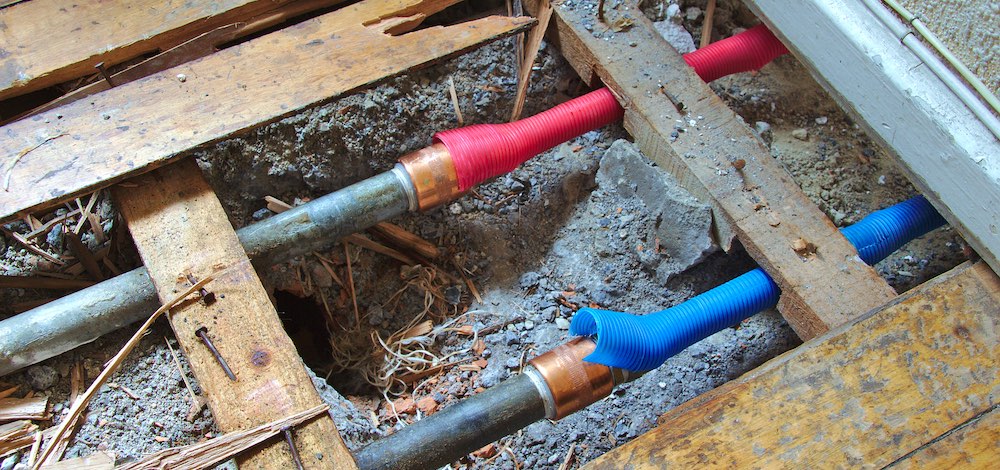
column 483, row 151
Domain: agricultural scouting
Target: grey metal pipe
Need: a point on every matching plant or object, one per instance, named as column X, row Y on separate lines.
column 83, row 316
column 455, row 431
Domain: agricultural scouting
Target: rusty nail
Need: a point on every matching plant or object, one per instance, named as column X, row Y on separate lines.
column 291, row 447
column 104, row 73
column 203, row 334
column 208, row 298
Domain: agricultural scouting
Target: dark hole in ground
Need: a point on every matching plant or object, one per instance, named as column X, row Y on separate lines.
column 305, row 322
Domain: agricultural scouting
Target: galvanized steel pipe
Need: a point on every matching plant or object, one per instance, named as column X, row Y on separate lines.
column 81, row 317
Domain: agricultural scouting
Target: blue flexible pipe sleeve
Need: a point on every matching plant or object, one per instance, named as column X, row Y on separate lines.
column 639, row 343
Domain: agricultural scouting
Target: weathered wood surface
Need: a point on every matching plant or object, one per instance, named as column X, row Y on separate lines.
column 180, row 228
column 47, row 42
column 974, row 445
column 150, row 122
column 196, row 47
column 866, row 394
column 765, row 208
column 946, row 150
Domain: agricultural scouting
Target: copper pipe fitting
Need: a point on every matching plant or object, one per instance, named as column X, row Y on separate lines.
column 574, row 383
column 432, row 172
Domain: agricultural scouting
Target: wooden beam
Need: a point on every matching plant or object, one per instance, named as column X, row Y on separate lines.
column 719, row 159
column 973, row 445
column 48, row 42
column 147, row 123
column 945, row 149
column 180, row 229
column 869, row 392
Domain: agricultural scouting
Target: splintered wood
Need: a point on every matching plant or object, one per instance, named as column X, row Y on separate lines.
column 12, row 409
column 868, row 393
column 147, row 123
column 208, row 453
column 180, row 230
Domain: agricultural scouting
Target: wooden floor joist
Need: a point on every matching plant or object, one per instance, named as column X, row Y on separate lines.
column 888, row 387
column 946, row 150
column 768, row 212
column 181, row 229
column 147, row 123
column 48, row 42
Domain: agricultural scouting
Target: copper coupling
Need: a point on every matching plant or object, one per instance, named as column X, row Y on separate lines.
column 432, row 172
column 567, row 382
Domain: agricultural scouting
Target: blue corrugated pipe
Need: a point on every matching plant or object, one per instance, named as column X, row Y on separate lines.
column 639, row 343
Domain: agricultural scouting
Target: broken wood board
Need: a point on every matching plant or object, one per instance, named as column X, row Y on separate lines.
column 12, row 409
column 16, row 435
column 150, row 122
column 946, row 150
column 194, row 48
column 867, row 393
column 48, row 42
column 719, row 159
column 180, row 229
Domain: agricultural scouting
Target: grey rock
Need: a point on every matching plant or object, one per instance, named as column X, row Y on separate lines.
column 562, row 323
column 529, row 279
column 681, row 223
column 55, row 237
column 262, row 214
column 676, row 35
column 42, row 377
column 801, row 134
column 10, row 461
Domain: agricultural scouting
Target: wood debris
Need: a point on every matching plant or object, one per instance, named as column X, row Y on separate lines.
column 13, row 409
column 404, row 239
column 211, row 452
column 96, row 461
column 62, row 434
column 38, row 282
column 530, row 53
column 16, row 435
column 454, row 101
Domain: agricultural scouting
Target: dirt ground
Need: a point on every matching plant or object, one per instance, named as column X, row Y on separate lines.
column 559, row 232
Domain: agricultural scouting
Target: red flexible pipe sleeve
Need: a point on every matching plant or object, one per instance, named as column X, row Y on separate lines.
column 483, row 151
column 749, row 50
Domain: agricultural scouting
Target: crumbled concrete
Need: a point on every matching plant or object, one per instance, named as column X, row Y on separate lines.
column 676, row 35
column 680, row 236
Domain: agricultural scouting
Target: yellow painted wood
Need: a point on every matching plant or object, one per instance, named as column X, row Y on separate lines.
column 863, row 395
column 180, row 228
column 975, row 445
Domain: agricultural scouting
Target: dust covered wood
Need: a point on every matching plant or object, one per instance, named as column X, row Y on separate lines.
column 148, row 123
column 868, row 392
column 208, row 453
column 175, row 207
column 818, row 292
column 93, row 31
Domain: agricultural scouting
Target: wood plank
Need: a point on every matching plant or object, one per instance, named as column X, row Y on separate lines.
column 867, row 393
column 47, row 42
column 13, row 409
column 147, row 123
column 180, row 228
column 195, row 48
column 973, row 445
column 947, row 152
column 766, row 209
